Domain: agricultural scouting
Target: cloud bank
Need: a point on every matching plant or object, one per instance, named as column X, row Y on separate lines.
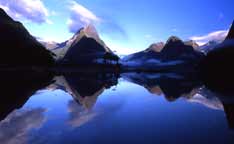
column 32, row 10
column 216, row 36
column 80, row 16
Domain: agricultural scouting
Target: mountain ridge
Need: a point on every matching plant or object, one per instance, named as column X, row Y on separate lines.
column 20, row 45
column 159, row 54
column 230, row 34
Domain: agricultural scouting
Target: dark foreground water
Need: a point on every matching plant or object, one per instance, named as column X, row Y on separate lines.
column 133, row 108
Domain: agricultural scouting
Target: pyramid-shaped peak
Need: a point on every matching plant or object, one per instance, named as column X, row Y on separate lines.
column 91, row 31
column 90, row 28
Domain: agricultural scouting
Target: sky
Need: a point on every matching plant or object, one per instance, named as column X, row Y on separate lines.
column 125, row 26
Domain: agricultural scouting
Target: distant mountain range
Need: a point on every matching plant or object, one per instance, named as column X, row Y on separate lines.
column 173, row 52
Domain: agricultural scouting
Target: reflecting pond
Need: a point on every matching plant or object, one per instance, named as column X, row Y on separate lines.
column 113, row 108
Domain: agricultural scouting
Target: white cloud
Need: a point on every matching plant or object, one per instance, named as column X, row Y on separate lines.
column 217, row 36
column 32, row 10
column 80, row 17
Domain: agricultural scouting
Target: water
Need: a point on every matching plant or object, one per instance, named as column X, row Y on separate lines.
column 109, row 108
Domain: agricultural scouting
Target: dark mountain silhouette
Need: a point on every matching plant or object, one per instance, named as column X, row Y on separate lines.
column 176, row 49
column 231, row 32
column 85, row 51
column 18, row 47
column 229, row 111
column 17, row 88
column 163, row 56
column 216, row 67
column 85, row 47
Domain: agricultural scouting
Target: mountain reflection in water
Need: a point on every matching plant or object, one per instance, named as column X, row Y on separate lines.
column 23, row 113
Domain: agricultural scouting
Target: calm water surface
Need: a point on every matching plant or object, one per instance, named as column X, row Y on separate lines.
column 134, row 110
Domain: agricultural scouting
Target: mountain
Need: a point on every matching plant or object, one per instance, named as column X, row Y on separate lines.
column 209, row 46
column 49, row 44
column 212, row 44
column 157, row 47
column 192, row 43
column 176, row 49
column 19, row 47
column 216, row 67
column 174, row 52
column 85, row 47
column 231, row 32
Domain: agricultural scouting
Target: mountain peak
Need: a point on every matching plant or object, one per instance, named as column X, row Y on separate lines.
column 174, row 39
column 157, row 47
column 91, row 31
column 231, row 32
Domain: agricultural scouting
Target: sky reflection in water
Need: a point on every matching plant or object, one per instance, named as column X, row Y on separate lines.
column 123, row 113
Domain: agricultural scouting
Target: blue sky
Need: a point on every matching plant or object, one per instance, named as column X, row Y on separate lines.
column 125, row 26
